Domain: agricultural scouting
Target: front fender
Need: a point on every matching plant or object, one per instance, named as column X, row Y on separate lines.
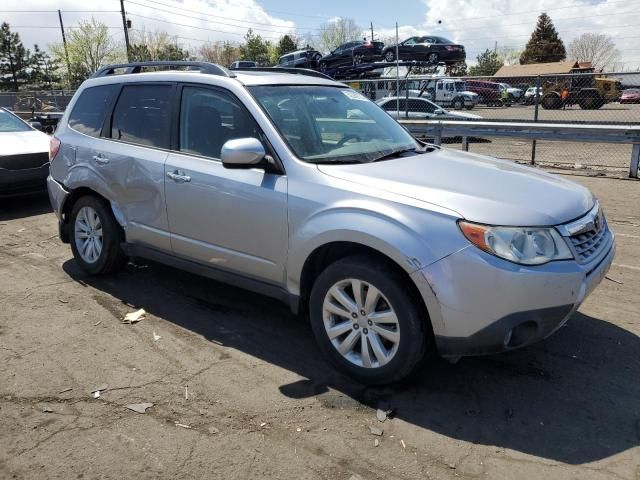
column 411, row 248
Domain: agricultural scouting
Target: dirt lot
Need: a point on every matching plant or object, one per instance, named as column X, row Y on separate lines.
column 245, row 377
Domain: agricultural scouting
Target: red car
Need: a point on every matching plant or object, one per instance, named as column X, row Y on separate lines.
column 631, row 95
column 489, row 92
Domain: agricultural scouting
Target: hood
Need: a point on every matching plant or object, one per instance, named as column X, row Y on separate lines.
column 17, row 143
column 470, row 94
column 480, row 189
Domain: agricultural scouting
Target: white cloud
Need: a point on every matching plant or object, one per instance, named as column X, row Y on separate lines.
column 193, row 20
column 480, row 24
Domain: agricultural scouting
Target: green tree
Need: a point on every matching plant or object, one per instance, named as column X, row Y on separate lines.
column 14, row 59
column 488, row 64
column 545, row 45
column 90, row 47
column 43, row 69
column 254, row 49
column 286, row 45
column 159, row 45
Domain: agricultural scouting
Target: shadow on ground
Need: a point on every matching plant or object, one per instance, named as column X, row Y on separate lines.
column 571, row 398
column 24, row 206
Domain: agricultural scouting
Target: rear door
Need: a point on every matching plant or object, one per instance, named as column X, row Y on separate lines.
column 236, row 219
column 131, row 162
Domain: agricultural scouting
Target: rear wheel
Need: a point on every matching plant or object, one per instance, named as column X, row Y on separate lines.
column 96, row 236
column 432, row 58
column 358, row 59
column 390, row 56
column 365, row 321
column 551, row 101
column 458, row 103
column 323, row 66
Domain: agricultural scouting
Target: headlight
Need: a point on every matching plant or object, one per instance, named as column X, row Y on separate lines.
column 523, row 245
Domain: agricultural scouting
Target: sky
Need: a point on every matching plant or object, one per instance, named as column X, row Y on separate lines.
column 477, row 24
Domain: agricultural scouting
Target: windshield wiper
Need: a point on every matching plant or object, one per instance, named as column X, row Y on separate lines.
column 395, row 153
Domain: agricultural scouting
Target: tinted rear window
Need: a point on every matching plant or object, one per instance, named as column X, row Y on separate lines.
column 89, row 111
column 142, row 115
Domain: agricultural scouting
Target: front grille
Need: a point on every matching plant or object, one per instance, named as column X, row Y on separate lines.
column 587, row 245
column 24, row 161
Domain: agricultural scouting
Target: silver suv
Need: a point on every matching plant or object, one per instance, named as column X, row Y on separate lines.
column 298, row 187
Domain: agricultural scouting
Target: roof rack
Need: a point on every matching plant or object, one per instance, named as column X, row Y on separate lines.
column 137, row 67
column 296, row 71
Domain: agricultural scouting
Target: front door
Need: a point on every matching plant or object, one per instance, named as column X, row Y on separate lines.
column 235, row 220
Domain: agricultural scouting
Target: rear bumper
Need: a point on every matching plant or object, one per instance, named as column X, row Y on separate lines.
column 481, row 304
column 23, row 181
column 57, row 196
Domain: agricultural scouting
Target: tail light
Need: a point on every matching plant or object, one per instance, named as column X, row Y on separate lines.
column 54, row 147
column 368, row 45
column 452, row 48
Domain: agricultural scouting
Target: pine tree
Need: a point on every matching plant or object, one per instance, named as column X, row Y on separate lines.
column 14, row 58
column 488, row 64
column 545, row 45
column 286, row 45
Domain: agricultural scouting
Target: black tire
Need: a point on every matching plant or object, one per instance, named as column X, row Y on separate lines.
column 551, row 101
column 111, row 257
column 470, row 107
column 415, row 330
column 358, row 58
column 432, row 58
column 390, row 56
column 458, row 103
column 322, row 66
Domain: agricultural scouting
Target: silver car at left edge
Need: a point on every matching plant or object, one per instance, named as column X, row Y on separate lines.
column 293, row 185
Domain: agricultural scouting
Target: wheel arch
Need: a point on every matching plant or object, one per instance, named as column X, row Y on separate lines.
column 328, row 253
column 72, row 198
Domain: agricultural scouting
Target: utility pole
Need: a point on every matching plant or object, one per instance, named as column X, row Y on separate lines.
column 66, row 52
column 126, row 29
column 372, row 31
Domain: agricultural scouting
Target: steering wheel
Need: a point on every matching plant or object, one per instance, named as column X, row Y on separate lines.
column 346, row 138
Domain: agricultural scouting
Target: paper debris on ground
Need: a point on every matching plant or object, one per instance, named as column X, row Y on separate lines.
column 97, row 391
column 376, row 443
column 156, row 337
column 139, row 407
column 181, row 425
column 65, row 390
column 403, row 444
column 134, row 317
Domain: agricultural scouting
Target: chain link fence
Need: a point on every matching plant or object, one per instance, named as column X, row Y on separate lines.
column 40, row 101
column 584, row 98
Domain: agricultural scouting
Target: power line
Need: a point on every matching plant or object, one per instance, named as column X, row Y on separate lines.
column 191, row 26
column 207, row 15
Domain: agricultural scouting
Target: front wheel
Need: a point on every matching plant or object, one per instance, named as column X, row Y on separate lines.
column 390, row 56
column 458, row 103
column 96, row 237
column 365, row 321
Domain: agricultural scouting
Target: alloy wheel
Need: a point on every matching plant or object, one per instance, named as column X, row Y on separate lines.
column 361, row 323
column 88, row 234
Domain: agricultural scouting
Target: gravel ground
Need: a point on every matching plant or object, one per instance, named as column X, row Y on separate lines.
column 239, row 390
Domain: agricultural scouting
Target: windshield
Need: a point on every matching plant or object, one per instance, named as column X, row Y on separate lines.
column 11, row 123
column 323, row 124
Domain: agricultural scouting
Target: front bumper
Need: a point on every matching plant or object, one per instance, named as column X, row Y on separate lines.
column 481, row 304
column 23, row 181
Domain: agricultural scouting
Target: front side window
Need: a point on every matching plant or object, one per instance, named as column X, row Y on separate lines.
column 90, row 109
column 142, row 115
column 325, row 124
column 11, row 123
column 208, row 118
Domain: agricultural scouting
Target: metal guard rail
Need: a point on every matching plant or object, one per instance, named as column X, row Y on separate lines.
column 625, row 134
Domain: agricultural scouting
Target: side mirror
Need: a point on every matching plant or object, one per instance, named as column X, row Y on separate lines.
column 35, row 124
column 242, row 153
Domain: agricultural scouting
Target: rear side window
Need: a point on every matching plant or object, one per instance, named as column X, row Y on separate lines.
column 89, row 111
column 142, row 115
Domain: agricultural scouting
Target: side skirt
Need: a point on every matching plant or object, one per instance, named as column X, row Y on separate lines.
column 219, row 275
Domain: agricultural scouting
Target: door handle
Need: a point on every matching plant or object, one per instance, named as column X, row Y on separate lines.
column 99, row 159
column 178, row 177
